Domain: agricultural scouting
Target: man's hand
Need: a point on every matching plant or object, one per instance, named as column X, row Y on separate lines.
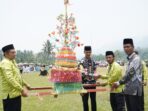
column 98, row 83
column 55, row 95
column 115, row 85
column 103, row 84
column 82, row 94
column 24, row 92
column 28, row 87
column 97, row 76
column 144, row 83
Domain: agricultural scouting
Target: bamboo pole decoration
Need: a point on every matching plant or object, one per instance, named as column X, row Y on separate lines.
column 41, row 88
column 42, row 94
column 90, row 85
column 39, row 94
column 51, row 87
column 66, row 2
column 96, row 90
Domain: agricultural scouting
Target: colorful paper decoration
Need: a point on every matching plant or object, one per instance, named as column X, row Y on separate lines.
column 65, row 75
column 65, row 36
column 70, row 87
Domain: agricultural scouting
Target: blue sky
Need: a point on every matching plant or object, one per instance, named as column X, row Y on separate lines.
column 102, row 23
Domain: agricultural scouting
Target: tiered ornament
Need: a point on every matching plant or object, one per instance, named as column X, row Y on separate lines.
column 65, row 75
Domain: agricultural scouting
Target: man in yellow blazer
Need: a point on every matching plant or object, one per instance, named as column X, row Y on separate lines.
column 13, row 86
column 114, row 73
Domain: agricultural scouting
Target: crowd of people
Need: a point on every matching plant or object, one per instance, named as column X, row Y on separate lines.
column 25, row 68
column 126, row 90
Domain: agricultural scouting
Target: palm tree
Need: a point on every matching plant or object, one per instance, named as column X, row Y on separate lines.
column 47, row 48
column 48, row 51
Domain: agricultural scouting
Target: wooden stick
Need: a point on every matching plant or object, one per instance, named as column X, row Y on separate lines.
column 90, row 85
column 51, row 87
column 42, row 94
column 77, row 92
column 97, row 90
column 41, row 88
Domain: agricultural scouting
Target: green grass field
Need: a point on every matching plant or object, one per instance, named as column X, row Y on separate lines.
column 66, row 102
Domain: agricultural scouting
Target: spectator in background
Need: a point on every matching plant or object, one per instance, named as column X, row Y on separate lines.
column 37, row 68
column 26, row 69
column 21, row 69
column 43, row 71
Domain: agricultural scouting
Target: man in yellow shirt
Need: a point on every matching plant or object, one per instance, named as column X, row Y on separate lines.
column 13, row 86
column 114, row 73
column 145, row 73
column 144, row 79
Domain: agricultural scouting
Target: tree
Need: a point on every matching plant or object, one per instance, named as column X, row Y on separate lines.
column 25, row 56
column 47, row 48
column 120, row 55
column 143, row 52
column 48, row 52
column 98, row 57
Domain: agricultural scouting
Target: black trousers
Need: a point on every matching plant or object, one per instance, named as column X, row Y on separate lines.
column 13, row 104
column 133, row 103
column 85, row 98
column 117, row 101
column 142, row 99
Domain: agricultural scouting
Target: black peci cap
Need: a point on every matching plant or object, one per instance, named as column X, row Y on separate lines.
column 87, row 48
column 128, row 41
column 109, row 53
column 7, row 47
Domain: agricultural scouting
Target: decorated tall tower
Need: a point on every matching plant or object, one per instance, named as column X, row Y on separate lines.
column 65, row 75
